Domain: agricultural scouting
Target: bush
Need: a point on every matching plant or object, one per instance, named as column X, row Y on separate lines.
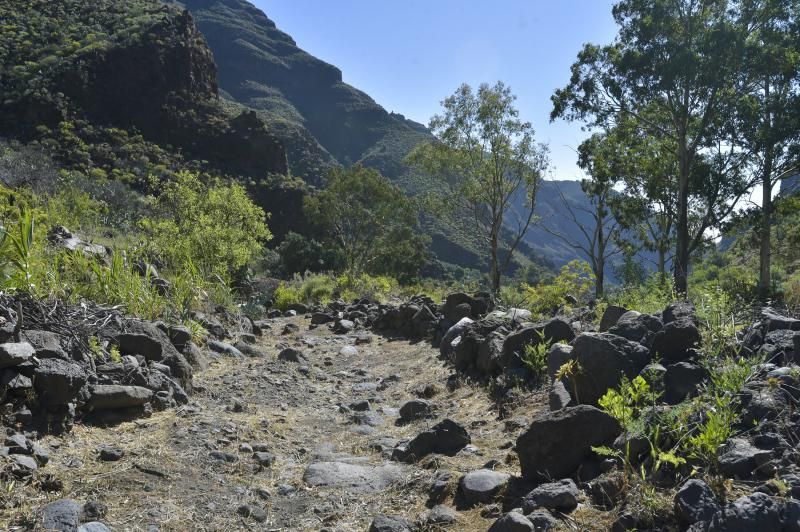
column 216, row 228
column 575, row 279
column 298, row 254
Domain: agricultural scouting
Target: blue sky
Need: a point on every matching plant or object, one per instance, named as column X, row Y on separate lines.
column 410, row 54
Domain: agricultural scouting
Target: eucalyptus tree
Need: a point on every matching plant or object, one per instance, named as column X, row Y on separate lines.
column 769, row 109
column 489, row 159
column 598, row 226
column 671, row 70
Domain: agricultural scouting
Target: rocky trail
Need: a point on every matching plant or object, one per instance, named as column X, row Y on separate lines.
column 333, row 419
column 300, row 441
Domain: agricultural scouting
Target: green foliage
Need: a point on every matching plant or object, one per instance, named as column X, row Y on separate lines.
column 323, row 288
column 371, row 222
column 712, row 434
column 625, row 405
column 485, row 155
column 650, row 297
column 575, row 279
column 298, row 254
column 216, row 227
column 535, row 356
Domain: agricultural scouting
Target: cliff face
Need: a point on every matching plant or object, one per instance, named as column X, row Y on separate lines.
column 322, row 119
column 137, row 65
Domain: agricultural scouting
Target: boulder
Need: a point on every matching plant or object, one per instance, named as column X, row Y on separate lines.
column 740, row 458
column 561, row 496
column 416, row 409
column 682, row 380
column 559, row 397
column 15, row 353
column 679, row 310
column 611, row 315
column 353, row 478
column 63, row 515
column 550, row 331
column 46, row 344
column 557, row 443
column 695, row 502
column 224, row 348
column 57, row 381
column 514, row 522
column 603, row 359
column 676, row 339
column 387, row 523
column 757, row 511
column 774, row 321
column 490, row 352
column 446, row 437
column 453, row 336
column 291, row 354
column 482, row 486
column 558, row 355
column 637, row 327
column 114, row 396
column 440, row 515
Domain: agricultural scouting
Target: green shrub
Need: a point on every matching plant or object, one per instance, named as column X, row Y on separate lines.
column 535, row 357
column 575, row 279
column 217, row 228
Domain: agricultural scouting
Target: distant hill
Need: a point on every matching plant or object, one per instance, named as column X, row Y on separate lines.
column 323, row 121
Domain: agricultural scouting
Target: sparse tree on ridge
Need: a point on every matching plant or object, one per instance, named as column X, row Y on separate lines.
column 489, row 157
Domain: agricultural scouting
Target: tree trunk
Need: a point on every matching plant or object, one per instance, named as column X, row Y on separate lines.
column 765, row 266
column 598, row 279
column 495, row 266
column 765, row 253
column 681, row 264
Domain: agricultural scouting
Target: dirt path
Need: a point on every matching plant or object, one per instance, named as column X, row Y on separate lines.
column 195, row 468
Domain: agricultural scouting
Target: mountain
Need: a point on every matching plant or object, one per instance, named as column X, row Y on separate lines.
column 324, row 122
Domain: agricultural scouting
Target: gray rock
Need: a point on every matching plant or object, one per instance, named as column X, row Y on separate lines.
column 224, row 348
column 557, row 356
column 678, row 310
column 482, row 486
column 682, row 380
column 386, row 523
column 113, row 396
column 109, row 453
column 348, row 351
column 561, row 496
column 93, row 526
column 440, row 515
column 446, row 437
column 12, row 380
column 774, row 321
column 15, row 353
column 58, row 381
column 264, row 459
column 513, row 522
column 447, row 347
column 343, row 326
column 542, row 520
column 557, row 443
column 551, row 331
column 757, row 511
column 676, row 339
column 416, row 409
column 611, row 315
column 694, row 502
column 559, row 397
column 603, row 359
column 637, row 327
column 740, row 458
column 63, row 515
column 46, row 344
column 352, row 478
column 253, row 512
column 291, row 354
